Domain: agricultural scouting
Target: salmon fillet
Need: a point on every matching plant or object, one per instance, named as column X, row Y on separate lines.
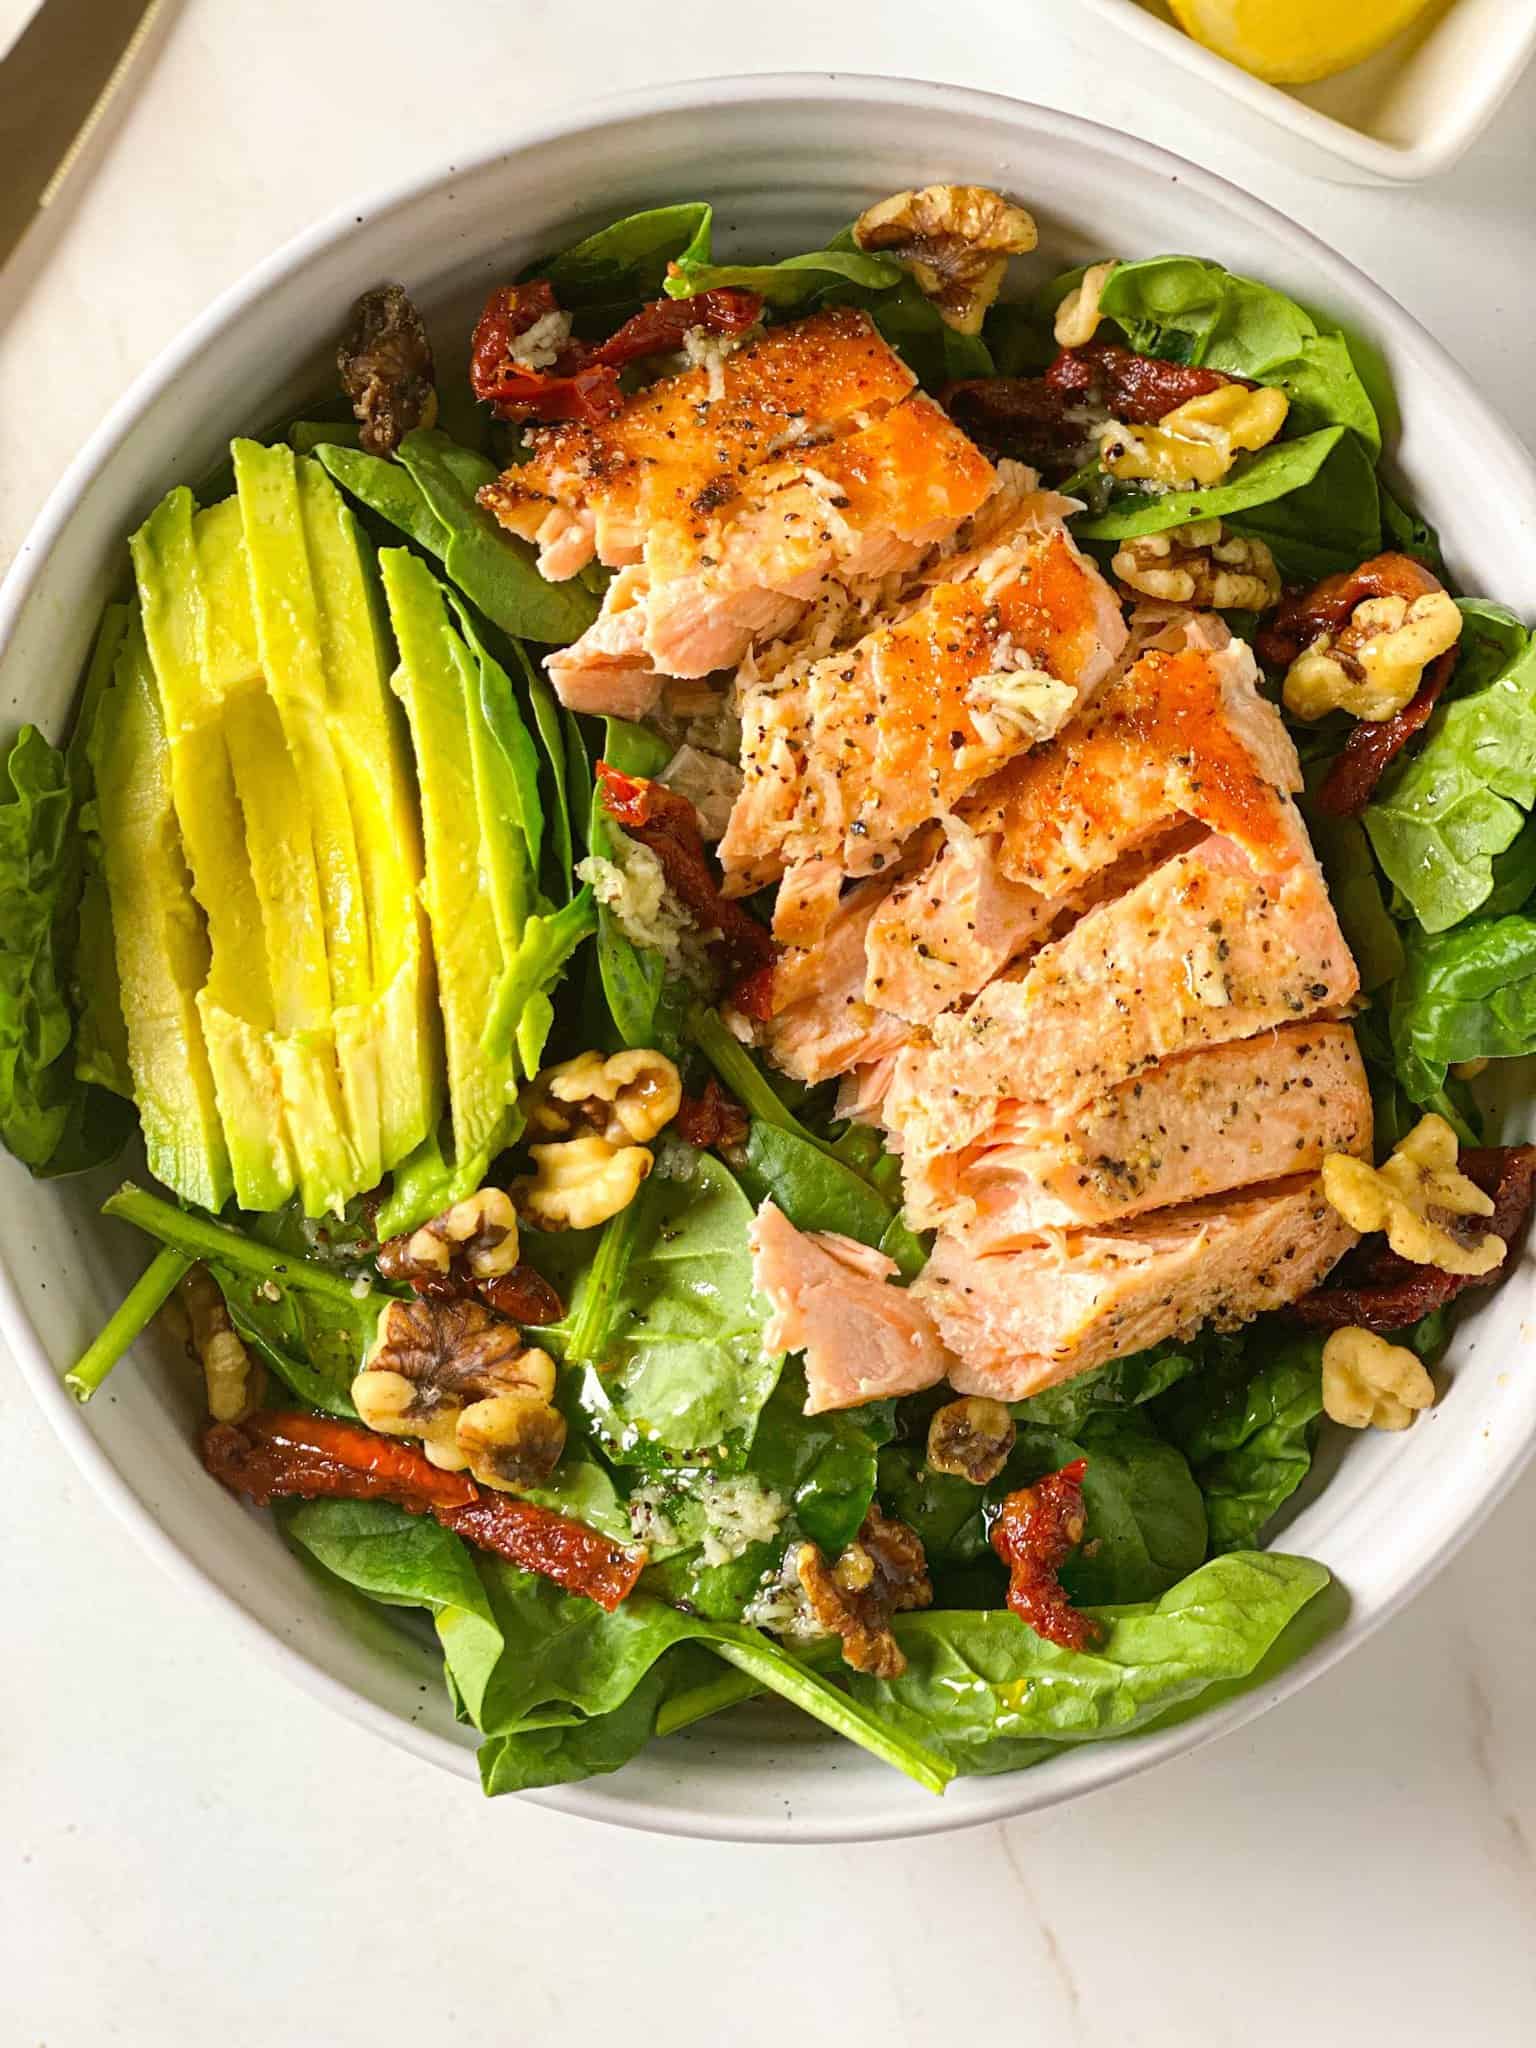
column 822, row 1024
column 831, row 1297
column 1022, row 1320
column 867, row 745
column 753, row 555
column 1205, row 949
column 601, row 488
column 1202, row 1123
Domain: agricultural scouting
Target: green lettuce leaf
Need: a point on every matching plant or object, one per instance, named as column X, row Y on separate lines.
column 1445, row 812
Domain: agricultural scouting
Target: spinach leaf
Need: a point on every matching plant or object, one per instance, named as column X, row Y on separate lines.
column 824, row 1466
column 794, row 280
column 991, row 1695
column 1146, row 1525
column 1247, row 1422
column 1514, row 875
column 51, row 1119
column 1190, row 311
column 1123, row 1383
column 1345, row 853
column 428, row 493
column 1443, row 814
column 1467, row 994
column 546, row 710
column 547, row 943
column 673, row 1323
column 609, row 274
column 815, row 1191
column 138, row 1309
column 634, row 977
column 1329, row 524
column 302, row 1318
column 1409, row 534
column 1308, row 464
column 913, row 325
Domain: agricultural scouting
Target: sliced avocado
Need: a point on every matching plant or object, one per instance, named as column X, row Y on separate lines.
column 160, row 939
column 369, row 733
column 286, row 615
column 437, row 681
column 236, row 1002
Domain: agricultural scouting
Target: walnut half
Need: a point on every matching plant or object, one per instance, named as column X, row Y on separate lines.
column 955, row 240
column 1200, row 564
column 882, row 1572
column 971, row 1439
column 456, row 1375
column 1371, row 1384
column 1420, row 1199
column 385, row 362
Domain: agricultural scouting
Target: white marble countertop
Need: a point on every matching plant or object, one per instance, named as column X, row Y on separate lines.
column 192, row 1852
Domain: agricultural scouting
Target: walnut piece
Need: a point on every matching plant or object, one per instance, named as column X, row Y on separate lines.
column 1371, row 1384
column 955, row 240
column 1411, row 1197
column 1377, row 661
column 478, row 1235
column 1200, row 564
column 971, row 1439
column 881, row 1573
column 385, row 361
column 1195, row 445
column 457, row 1375
column 626, row 1098
column 580, row 1183
column 234, row 1380
column 1078, row 315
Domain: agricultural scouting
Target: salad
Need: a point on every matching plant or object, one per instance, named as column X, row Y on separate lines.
column 801, row 976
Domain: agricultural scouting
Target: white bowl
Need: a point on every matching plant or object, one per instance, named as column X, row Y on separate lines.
column 1407, row 113
column 788, row 160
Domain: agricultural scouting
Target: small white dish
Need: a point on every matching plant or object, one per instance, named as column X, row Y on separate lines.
column 1405, row 114
column 788, row 161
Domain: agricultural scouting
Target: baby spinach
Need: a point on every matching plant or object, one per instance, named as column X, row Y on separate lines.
column 127, row 1323
column 991, row 1695
column 634, row 977
column 815, row 1191
column 304, row 1319
column 1467, row 994
column 1190, row 311
column 428, row 493
column 1246, row 1422
column 668, row 1323
column 793, row 281
column 1369, row 931
column 608, row 275
column 1444, row 813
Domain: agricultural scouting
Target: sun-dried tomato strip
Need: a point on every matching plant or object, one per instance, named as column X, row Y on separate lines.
column 713, row 1120
column 315, row 1457
column 659, row 328
column 1036, row 1531
column 1373, row 744
column 668, row 824
column 1382, row 1291
column 1019, row 417
column 1135, row 388
column 538, row 1540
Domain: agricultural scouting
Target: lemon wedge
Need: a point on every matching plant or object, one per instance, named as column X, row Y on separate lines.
column 1294, row 42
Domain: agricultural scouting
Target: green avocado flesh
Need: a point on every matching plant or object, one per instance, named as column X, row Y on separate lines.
column 292, row 818
column 467, row 811
column 160, row 938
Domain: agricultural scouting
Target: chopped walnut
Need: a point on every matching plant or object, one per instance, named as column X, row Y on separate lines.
column 1420, row 1200
column 581, row 1182
column 457, row 1375
column 626, row 1098
column 971, row 1439
column 1371, row 1384
column 1376, row 662
column 881, row 1573
column 955, row 240
column 234, row 1380
column 385, row 360
column 476, row 1238
column 1200, row 564
column 1078, row 315
column 1195, row 445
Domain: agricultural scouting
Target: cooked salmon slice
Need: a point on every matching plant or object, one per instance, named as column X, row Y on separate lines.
column 1202, row 1123
column 1204, row 950
column 751, row 558
column 821, row 1023
column 1021, row 1320
column 872, row 742
column 832, row 1299
column 601, row 488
